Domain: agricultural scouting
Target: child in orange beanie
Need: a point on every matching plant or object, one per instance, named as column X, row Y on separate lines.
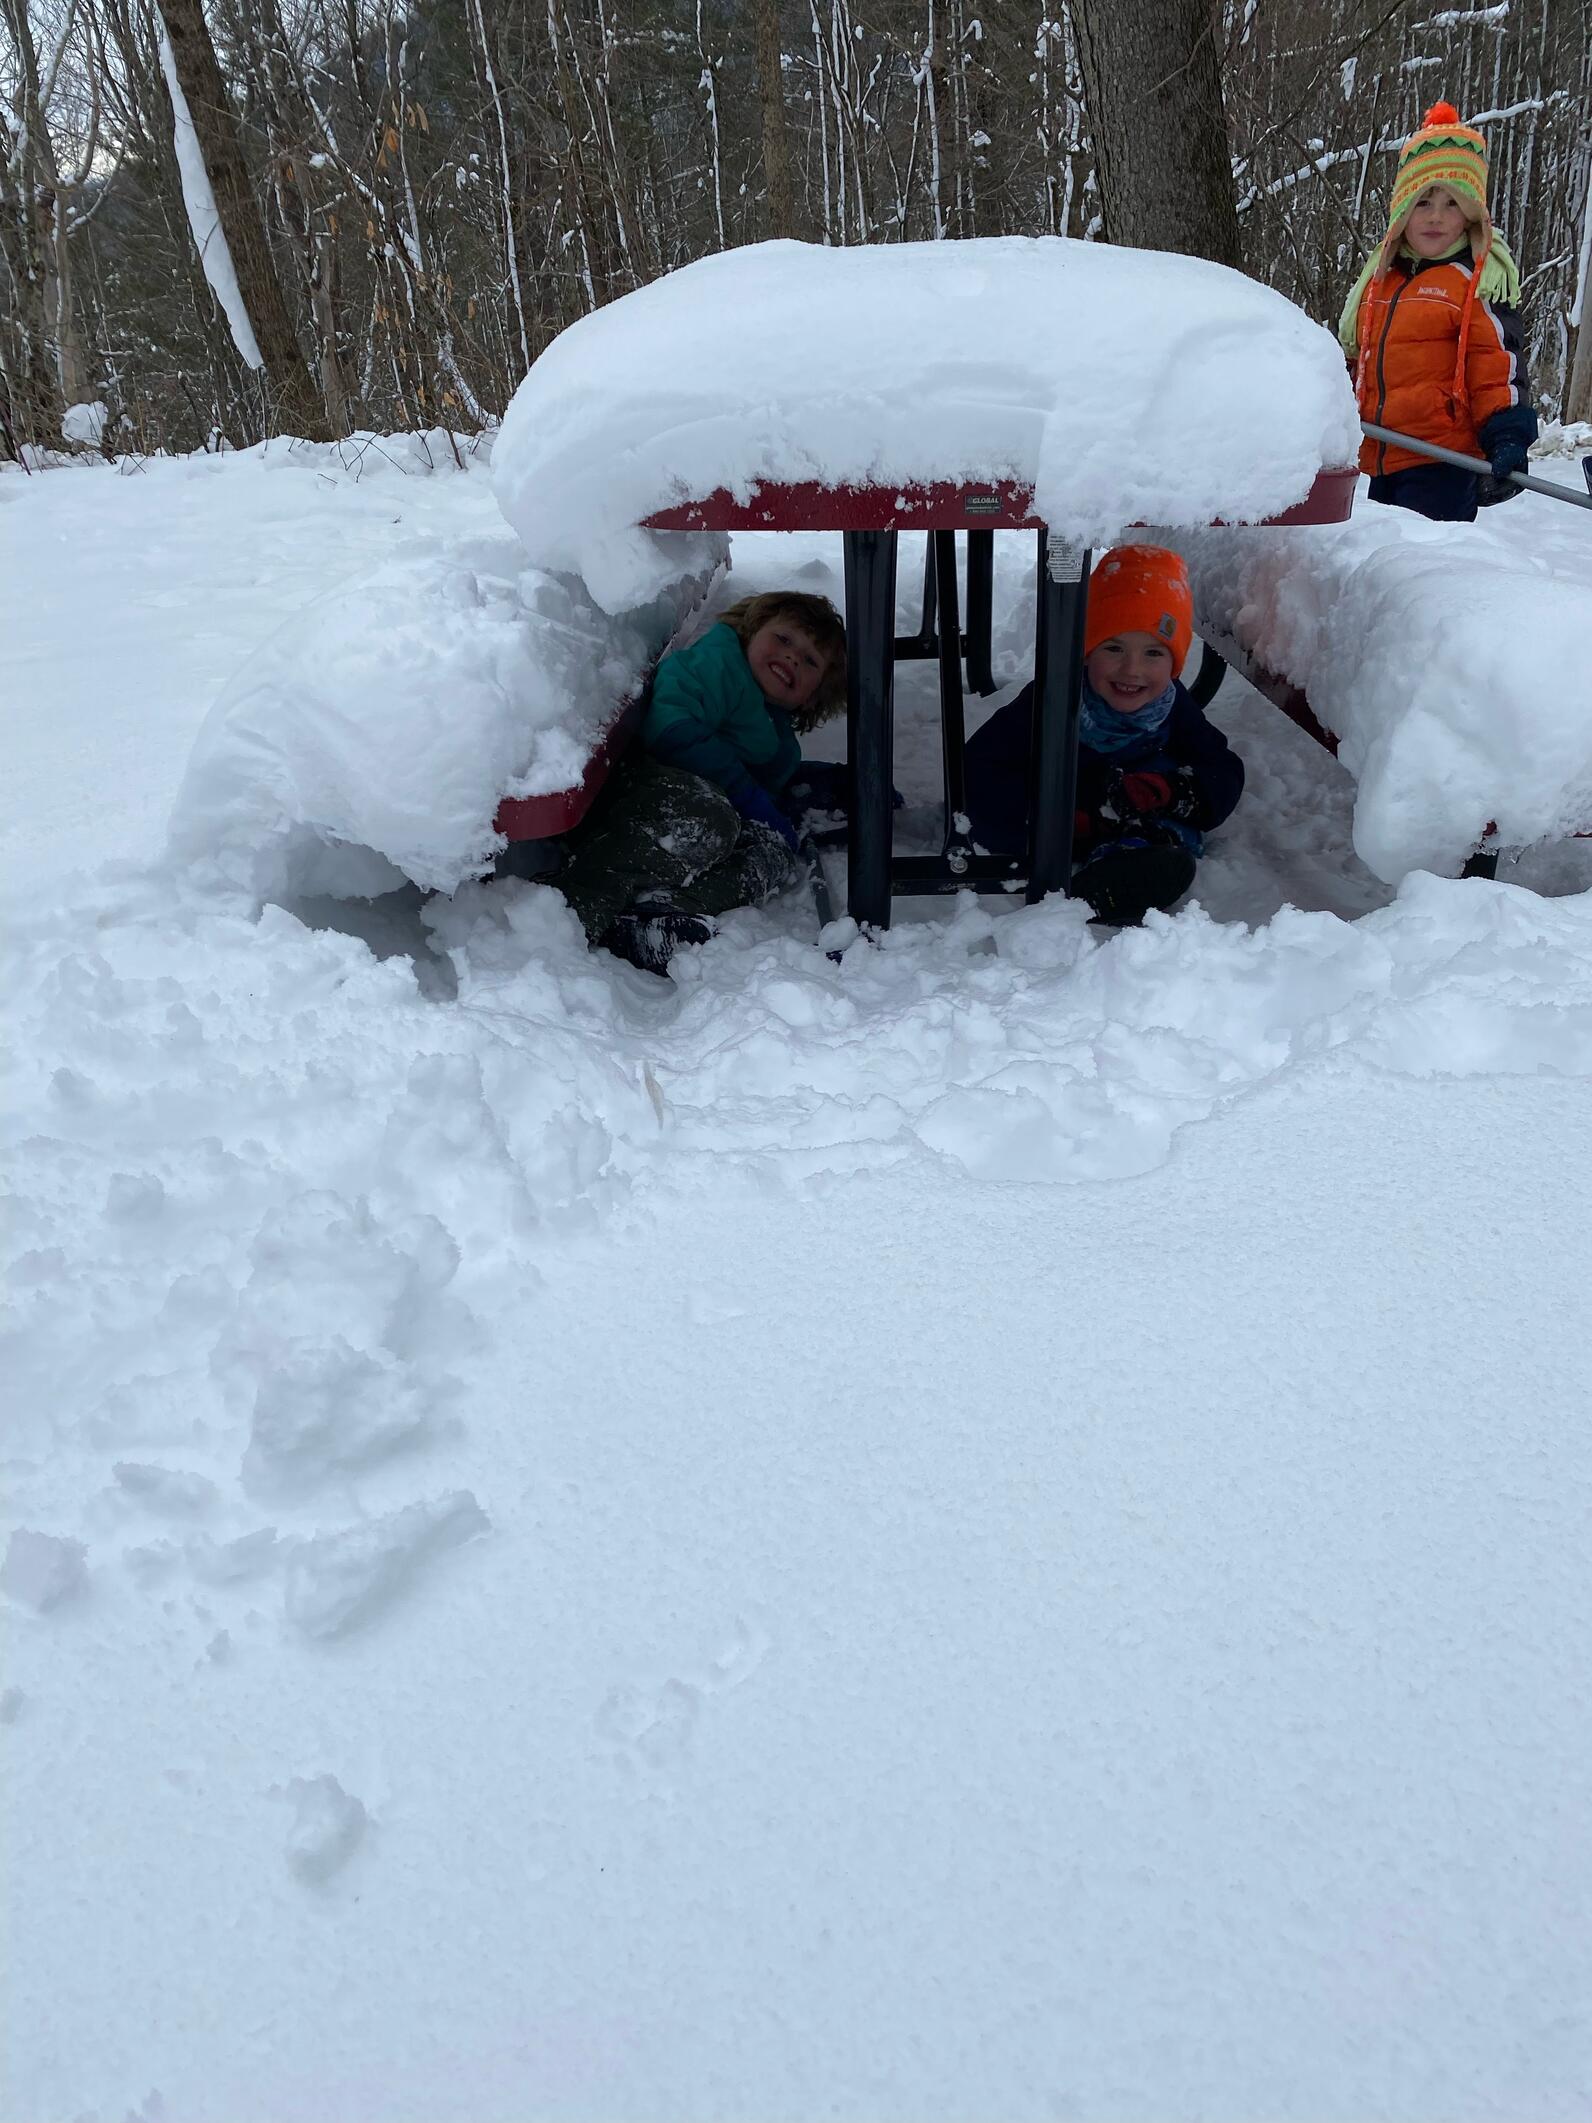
column 1154, row 777
column 1433, row 329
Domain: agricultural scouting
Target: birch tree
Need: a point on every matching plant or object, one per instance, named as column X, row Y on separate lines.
column 296, row 400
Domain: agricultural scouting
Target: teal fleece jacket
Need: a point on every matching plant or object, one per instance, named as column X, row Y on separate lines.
column 708, row 714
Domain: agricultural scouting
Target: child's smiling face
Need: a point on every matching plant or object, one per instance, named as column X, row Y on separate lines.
column 1129, row 671
column 786, row 662
column 1437, row 223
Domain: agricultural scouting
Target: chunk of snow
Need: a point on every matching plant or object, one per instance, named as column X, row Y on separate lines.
column 84, row 423
column 328, row 1823
column 209, row 237
column 322, row 1412
column 1124, row 386
column 172, row 1491
column 336, row 1581
column 1450, row 660
column 41, row 1569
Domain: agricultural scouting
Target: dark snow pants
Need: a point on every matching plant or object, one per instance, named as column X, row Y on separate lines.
column 1441, row 491
column 663, row 835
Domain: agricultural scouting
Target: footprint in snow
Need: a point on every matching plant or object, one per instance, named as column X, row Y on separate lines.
column 649, row 1729
column 653, row 1728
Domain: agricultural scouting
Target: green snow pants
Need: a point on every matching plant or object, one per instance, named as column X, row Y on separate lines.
column 664, row 835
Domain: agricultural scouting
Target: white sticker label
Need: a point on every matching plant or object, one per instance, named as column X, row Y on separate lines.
column 1064, row 559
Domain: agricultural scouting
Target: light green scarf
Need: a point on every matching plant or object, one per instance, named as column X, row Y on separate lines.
column 1500, row 282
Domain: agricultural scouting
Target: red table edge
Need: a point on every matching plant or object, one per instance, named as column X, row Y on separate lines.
column 540, row 817
column 942, row 505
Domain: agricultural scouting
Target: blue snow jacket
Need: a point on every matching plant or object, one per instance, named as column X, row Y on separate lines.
column 1000, row 762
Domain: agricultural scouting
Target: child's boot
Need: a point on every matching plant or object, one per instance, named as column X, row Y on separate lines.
column 648, row 937
column 1122, row 883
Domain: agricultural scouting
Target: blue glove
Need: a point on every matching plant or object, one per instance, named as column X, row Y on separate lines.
column 758, row 808
column 1507, row 439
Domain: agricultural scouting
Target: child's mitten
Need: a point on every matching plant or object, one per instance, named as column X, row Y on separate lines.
column 1138, row 791
column 1185, row 802
column 1136, row 794
column 758, row 808
column 1507, row 438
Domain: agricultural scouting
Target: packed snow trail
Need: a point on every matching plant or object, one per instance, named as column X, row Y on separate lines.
column 996, row 1528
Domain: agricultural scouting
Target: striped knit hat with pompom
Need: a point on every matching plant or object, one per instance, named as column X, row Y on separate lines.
column 1448, row 152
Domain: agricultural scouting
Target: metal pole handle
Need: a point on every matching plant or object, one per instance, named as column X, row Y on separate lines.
column 1474, row 464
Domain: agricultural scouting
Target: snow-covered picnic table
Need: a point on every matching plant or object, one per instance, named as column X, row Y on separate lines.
column 1088, row 388
column 1091, row 388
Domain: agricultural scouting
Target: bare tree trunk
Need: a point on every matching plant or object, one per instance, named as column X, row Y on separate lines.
column 298, row 404
column 323, row 300
column 1578, row 398
column 485, row 41
column 28, row 232
column 1153, row 87
column 1578, row 391
column 70, row 365
column 771, row 88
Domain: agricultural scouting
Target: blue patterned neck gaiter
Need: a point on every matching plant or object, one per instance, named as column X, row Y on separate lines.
column 1104, row 730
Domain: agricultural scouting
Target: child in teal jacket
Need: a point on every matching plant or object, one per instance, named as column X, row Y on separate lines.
column 689, row 825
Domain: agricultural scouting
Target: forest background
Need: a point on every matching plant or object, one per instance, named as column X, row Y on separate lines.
column 419, row 197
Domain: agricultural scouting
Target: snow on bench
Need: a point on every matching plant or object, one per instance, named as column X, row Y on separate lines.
column 373, row 738
column 1451, row 663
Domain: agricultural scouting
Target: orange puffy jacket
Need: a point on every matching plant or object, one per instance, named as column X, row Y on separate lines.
column 1435, row 359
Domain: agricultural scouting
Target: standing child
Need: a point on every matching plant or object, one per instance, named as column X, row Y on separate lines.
column 1154, row 776
column 1433, row 329
column 690, row 824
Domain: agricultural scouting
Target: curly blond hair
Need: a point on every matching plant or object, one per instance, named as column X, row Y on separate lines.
column 820, row 619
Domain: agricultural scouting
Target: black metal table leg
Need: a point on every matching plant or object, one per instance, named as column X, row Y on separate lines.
column 1058, row 684
column 870, row 690
column 980, row 609
column 925, row 642
column 953, row 724
column 1207, row 680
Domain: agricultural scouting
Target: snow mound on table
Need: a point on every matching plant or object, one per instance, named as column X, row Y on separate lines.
column 1450, row 661
column 1124, row 386
column 374, row 736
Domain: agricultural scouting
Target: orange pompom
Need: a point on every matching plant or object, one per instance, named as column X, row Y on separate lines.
column 1441, row 114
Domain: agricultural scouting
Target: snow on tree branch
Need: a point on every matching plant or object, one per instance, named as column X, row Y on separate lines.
column 208, row 235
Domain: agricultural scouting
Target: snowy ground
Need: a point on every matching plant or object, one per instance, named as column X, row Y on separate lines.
column 999, row 1528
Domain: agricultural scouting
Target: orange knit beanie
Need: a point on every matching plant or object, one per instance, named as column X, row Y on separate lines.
column 1141, row 589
